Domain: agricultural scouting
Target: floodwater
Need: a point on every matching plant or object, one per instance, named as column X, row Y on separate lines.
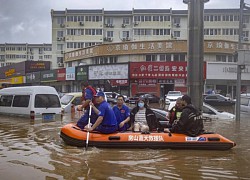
column 31, row 150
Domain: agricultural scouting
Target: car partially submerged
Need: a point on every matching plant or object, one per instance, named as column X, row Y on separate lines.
column 210, row 112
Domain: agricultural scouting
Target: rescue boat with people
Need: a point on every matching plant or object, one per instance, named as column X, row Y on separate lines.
column 73, row 135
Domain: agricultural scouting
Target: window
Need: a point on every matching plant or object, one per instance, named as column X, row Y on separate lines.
column 156, row 18
column 21, row 101
column 147, row 18
column 6, row 100
column 166, row 18
column 109, row 20
column 60, row 20
column 47, row 56
column 59, row 47
column 165, row 57
column 137, row 18
column 125, row 20
column 59, row 59
column 2, row 57
column 221, row 58
column 179, row 57
column 88, row 18
column 151, row 57
column 47, row 101
column 177, row 20
column 110, row 34
column 177, row 34
column 125, row 34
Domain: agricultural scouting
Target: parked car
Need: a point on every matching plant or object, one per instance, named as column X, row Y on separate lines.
column 210, row 112
column 70, row 99
column 172, row 96
column 150, row 97
column 245, row 104
column 218, row 100
column 213, row 113
column 112, row 97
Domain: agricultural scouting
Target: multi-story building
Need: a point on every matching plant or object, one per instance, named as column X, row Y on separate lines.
column 99, row 37
column 76, row 29
column 14, row 53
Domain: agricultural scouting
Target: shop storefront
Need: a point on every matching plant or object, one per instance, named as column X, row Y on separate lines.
column 113, row 77
column 158, row 77
column 222, row 78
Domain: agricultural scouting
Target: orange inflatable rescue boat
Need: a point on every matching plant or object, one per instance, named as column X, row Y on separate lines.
column 72, row 135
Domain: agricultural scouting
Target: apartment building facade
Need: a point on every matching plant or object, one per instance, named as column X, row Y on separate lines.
column 11, row 53
column 100, row 37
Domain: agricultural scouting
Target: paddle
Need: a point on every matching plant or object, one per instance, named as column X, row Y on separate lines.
column 87, row 140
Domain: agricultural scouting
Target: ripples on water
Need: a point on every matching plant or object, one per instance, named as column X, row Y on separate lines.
column 35, row 151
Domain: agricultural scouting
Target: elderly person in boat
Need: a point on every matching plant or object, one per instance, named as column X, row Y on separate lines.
column 143, row 118
column 106, row 122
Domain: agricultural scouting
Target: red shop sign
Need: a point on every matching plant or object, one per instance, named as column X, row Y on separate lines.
column 61, row 74
column 119, row 82
column 159, row 70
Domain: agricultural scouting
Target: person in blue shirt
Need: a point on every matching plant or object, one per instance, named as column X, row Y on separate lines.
column 122, row 114
column 88, row 93
column 106, row 122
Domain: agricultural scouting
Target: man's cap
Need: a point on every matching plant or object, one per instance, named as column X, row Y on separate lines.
column 100, row 93
column 186, row 98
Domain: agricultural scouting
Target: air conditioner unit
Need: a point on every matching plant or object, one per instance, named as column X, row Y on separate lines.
column 123, row 25
column 136, row 23
column 245, row 38
column 110, row 39
column 109, row 25
column 81, row 23
column 59, row 38
column 60, row 64
column 127, row 38
column 177, row 25
column 62, row 25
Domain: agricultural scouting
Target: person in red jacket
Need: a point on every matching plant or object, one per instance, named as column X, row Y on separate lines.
column 88, row 93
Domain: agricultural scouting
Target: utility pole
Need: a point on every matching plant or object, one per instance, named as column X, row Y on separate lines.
column 239, row 66
column 195, row 62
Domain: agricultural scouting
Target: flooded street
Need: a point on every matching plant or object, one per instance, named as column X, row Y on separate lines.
column 36, row 151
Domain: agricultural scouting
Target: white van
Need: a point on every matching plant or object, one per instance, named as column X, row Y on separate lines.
column 34, row 102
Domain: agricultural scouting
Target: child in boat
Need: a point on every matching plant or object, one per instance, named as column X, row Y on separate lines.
column 143, row 118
